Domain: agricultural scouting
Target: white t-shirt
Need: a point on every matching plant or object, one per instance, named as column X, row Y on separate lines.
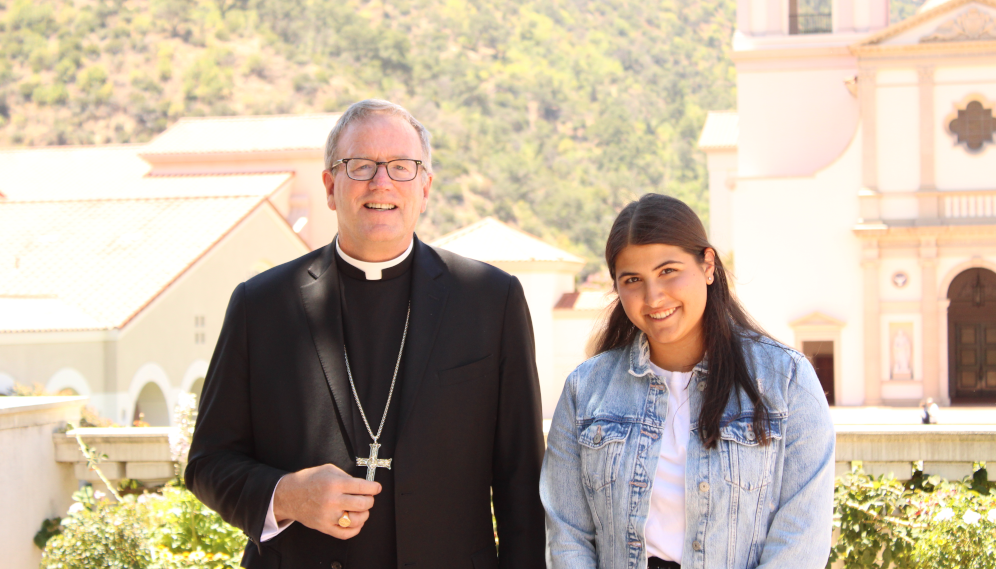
column 666, row 520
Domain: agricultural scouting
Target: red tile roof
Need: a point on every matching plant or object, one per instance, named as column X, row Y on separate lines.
column 94, row 264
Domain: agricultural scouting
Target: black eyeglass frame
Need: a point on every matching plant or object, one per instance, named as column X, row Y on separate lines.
column 345, row 162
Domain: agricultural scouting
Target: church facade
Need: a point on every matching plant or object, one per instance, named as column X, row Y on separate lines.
column 853, row 191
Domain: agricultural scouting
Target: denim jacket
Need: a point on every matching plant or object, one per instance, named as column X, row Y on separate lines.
column 746, row 505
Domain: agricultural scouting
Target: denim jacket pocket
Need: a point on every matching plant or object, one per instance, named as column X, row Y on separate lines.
column 747, row 464
column 601, row 447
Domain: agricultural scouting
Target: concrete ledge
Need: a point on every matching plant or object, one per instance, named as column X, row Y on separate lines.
column 126, row 444
column 20, row 412
column 112, row 470
column 908, row 443
column 138, row 453
column 150, row 470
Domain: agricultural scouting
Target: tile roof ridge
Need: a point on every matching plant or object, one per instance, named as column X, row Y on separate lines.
column 237, row 118
column 193, row 262
column 153, row 175
column 72, row 147
column 155, row 152
column 134, row 199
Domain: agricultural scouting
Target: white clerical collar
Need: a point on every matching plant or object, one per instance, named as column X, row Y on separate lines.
column 374, row 271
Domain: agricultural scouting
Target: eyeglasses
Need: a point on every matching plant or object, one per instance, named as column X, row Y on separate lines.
column 363, row 170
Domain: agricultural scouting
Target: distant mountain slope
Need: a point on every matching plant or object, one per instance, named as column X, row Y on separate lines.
column 549, row 114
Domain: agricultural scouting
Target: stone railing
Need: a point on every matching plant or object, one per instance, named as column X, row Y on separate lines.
column 962, row 205
column 948, row 451
column 136, row 453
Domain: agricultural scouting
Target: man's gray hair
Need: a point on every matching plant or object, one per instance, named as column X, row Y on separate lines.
column 357, row 112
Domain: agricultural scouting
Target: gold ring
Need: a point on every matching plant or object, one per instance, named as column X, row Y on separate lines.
column 344, row 521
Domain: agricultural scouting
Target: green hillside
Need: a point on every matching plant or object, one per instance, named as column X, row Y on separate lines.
column 548, row 114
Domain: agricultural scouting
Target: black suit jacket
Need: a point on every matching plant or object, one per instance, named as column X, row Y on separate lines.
column 277, row 399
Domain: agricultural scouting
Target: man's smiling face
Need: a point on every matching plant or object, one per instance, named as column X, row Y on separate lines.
column 377, row 218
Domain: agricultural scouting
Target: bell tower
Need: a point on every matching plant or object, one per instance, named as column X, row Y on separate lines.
column 766, row 18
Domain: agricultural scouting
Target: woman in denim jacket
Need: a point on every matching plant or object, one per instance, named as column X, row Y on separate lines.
column 692, row 439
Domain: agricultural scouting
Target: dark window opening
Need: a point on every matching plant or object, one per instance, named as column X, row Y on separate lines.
column 820, row 354
column 810, row 17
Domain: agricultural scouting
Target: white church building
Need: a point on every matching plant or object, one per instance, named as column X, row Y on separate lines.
column 854, row 192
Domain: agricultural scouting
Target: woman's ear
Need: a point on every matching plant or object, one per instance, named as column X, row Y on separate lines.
column 709, row 262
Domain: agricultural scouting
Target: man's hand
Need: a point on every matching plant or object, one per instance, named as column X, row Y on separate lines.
column 317, row 497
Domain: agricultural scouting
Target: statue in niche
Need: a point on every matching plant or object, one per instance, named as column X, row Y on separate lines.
column 902, row 354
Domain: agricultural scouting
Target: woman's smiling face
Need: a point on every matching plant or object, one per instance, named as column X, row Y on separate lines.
column 663, row 291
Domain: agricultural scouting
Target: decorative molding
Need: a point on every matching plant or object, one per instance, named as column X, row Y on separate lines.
column 817, row 320
column 918, row 19
column 971, row 25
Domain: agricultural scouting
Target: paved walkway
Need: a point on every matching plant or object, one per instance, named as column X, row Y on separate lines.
column 911, row 415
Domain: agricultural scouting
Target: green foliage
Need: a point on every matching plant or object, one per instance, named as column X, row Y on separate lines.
column 185, row 527
column 54, row 94
column 50, row 528
column 206, row 80
column 900, row 10
column 925, row 523
column 99, row 534
column 169, row 530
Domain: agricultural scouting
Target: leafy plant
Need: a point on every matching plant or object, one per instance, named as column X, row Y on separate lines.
column 924, row 523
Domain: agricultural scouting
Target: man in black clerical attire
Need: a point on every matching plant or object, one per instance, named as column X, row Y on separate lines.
column 368, row 401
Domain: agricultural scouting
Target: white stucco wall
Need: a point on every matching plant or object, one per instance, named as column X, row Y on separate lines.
column 956, row 168
column 796, row 253
column 36, row 487
column 542, row 290
column 722, row 183
column 162, row 337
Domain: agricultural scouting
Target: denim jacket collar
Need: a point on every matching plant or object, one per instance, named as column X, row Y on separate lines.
column 639, row 359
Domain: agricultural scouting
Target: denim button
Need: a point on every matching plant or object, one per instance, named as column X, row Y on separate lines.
column 702, row 386
column 696, row 545
column 598, row 436
column 703, row 486
column 750, row 435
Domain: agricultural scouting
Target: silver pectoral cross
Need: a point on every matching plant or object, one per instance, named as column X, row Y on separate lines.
column 373, row 463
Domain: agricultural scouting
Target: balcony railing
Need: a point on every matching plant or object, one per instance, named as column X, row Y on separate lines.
column 969, row 205
column 810, row 24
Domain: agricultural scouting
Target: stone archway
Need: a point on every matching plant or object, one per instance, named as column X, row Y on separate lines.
column 972, row 337
column 151, row 406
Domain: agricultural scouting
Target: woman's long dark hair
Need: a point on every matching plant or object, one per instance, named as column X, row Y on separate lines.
column 665, row 220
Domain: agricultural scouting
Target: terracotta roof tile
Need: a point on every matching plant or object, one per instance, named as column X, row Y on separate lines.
column 490, row 240
column 721, row 130
column 243, row 134
column 68, row 172
column 586, row 300
column 109, row 172
column 93, row 264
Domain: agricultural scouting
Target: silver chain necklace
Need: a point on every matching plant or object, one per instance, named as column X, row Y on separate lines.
column 372, row 462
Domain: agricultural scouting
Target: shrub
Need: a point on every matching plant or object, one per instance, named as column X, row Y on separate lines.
column 55, row 94
column 924, row 523
column 206, row 81
column 97, row 533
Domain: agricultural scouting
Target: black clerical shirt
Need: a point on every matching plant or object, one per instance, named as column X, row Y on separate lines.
column 373, row 321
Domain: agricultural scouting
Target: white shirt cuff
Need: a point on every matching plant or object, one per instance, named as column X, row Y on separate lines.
column 270, row 527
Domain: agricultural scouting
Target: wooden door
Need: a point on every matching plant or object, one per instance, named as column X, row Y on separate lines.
column 975, row 361
column 824, row 371
column 972, row 337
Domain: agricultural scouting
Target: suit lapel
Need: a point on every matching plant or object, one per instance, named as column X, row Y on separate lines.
column 428, row 302
column 321, row 304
